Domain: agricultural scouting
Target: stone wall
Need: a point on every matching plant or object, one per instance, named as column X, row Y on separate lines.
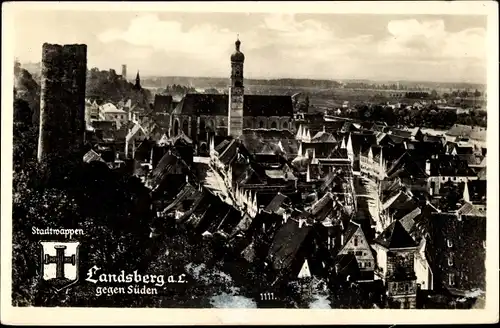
column 62, row 109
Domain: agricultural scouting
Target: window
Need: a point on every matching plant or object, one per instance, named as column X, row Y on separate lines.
column 359, row 253
column 369, row 264
column 285, row 125
column 451, row 279
column 450, row 261
column 355, row 241
column 406, row 288
column 176, row 127
column 273, row 125
column 450, row 244
column 261, row 124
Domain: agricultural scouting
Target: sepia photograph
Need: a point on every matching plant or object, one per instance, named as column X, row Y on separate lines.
column 299, row 159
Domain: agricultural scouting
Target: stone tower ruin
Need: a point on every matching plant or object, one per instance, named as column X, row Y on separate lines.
column 62, row 104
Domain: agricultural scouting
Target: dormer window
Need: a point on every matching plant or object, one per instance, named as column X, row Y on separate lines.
column 449, row 242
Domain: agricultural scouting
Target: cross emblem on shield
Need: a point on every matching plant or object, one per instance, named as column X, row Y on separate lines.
column 60, row 263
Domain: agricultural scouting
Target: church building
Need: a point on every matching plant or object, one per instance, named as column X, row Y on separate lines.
column 201, row 115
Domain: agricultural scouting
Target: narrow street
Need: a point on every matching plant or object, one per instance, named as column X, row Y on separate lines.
column 367, row 202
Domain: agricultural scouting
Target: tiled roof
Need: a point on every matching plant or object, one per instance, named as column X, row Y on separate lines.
column 103, row 125
column 323, row 202
column 163, row 104
column 449, row 165
column 256, row 141
column 286, row 244
column 134, row 131
column 346, row 265
column 321, row 150
column 187, row 192
column 349, row 127
column 478, row 134
column 469, row 209
column 203, row 104
column 433, row 139
column 477, row 190
column 482, row 174
column 472, row 159
column 401, row 133
column 360, row 140
column 367, row 125
column 406, row 166
column 395, row 236
column 253, row 105
column 169, row 164
column 323, row 136
column 276, row 203
column 459, row 130
column 92, row 156
column 110, row 108
column 340, row 153
column 350, row 231
column 263, row 105
column 473, row 132
column 229, row 153
column 408, row 220
column 461, row 240
column 222, row 145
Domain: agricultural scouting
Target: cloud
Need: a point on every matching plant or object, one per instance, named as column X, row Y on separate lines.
column 202, row 42
column 282, row 45
column 429, row 39
column 310, row 39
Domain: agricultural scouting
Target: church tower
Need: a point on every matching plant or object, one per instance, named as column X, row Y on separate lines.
column 236, row 92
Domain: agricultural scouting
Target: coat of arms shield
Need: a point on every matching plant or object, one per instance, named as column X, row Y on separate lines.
column 60, row 263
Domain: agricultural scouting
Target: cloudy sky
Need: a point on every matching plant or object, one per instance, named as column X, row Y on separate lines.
column 329, row 46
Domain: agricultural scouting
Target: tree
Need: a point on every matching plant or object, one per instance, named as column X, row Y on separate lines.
column 477, row 94
column 434, row 95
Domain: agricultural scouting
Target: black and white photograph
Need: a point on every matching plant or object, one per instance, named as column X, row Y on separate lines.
column 250, row 159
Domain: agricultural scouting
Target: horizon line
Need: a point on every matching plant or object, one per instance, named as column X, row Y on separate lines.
column 378, row 80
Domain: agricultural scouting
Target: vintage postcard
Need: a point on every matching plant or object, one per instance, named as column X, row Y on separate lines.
column 249, row 163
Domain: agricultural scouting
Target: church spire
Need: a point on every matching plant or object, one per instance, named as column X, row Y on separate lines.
column 137, row 81
column 237, row 43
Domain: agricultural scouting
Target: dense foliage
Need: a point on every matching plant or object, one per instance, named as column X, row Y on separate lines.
column 106, row 86
column 429, row 117
column 177, row 89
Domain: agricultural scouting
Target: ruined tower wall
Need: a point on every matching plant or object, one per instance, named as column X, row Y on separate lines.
column 62, row 107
